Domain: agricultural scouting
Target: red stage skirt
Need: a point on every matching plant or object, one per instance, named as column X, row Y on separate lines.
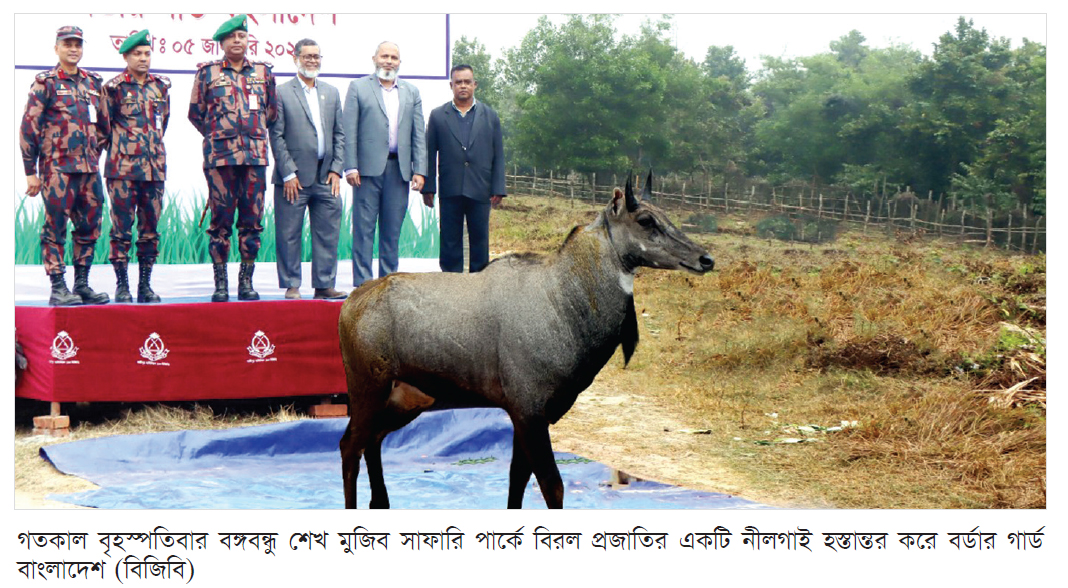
column 141, row 353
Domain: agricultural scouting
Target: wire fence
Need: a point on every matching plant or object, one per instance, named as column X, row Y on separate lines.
column 900, row 211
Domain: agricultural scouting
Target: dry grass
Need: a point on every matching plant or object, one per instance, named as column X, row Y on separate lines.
column 35, row 478
column 905, row 336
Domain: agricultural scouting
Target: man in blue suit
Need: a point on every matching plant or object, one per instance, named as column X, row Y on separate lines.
column 385, row 150
column 464, row 142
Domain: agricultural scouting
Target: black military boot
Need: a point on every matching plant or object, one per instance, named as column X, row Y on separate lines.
column 122, row 282
column 144, row 282
column 244, row 282
column 222, row 293
column 61, row 296
column 81, row 287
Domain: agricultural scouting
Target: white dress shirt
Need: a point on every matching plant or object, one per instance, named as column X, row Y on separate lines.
column 391, row 98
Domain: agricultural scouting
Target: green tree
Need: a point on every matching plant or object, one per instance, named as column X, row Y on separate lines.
column 585, row 101
column 723, row 63
column 799, row 135
column 1013, row 155
column 850, row 49
column 960, row 93
column 837, row 115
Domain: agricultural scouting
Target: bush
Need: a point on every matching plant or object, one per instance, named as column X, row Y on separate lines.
column 704, row 223
column 777, row 227
column 808, row 229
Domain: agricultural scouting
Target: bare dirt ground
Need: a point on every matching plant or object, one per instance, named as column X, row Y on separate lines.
column 635, row 435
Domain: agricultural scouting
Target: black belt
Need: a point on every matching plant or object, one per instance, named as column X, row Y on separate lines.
column 392, row 155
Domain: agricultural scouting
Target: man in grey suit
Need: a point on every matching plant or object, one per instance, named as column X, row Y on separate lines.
column 308, row 142
column 385, row 150
column 464, row 142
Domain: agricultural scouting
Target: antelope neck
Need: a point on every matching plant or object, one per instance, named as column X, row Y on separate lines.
column 608, row 231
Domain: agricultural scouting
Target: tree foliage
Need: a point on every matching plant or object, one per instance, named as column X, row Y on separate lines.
column 969, row 120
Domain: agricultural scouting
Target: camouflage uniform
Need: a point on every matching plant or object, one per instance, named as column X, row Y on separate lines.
column 136, row 165
column 59, row 140
column 232, row 109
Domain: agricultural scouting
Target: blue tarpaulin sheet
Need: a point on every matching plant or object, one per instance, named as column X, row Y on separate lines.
column 453, row 459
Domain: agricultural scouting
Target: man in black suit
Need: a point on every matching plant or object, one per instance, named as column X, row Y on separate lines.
column 463, row 139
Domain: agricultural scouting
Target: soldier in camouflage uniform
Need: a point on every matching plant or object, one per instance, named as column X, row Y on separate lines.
column 232, row 105
column 62, row 134
column 139, row 106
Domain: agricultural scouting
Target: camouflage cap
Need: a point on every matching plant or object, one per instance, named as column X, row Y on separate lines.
column 237, row 23
column 135, row 40
column 69, row 32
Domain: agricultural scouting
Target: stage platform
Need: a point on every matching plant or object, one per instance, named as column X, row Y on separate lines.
column 186, row 348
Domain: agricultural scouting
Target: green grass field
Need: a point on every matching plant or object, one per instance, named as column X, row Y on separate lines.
column 183, row 241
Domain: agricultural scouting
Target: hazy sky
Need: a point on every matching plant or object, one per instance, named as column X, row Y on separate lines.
column 753, row 35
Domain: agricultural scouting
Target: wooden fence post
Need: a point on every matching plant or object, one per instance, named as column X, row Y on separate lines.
column 989, row 227
column 1008, row 234
column 1023, row 227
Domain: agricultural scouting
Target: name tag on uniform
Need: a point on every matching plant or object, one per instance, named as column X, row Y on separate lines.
column 159, row 122
column 92, row 113
column 253, row 102
column 63, row 92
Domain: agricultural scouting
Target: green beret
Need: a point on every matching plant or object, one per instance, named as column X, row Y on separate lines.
column 237, row 23
column 135, row 40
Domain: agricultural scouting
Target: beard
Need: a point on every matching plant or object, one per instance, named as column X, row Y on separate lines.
column 311, row 75
column 387, row 75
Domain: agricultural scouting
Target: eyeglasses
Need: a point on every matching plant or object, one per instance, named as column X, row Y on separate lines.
column 311, row 57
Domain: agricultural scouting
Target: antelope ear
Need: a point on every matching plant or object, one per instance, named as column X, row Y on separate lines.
column 617, row 201
column 647, row 193
column 632, row 202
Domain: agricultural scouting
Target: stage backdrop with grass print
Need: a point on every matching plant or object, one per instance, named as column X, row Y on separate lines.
column 182, row 41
